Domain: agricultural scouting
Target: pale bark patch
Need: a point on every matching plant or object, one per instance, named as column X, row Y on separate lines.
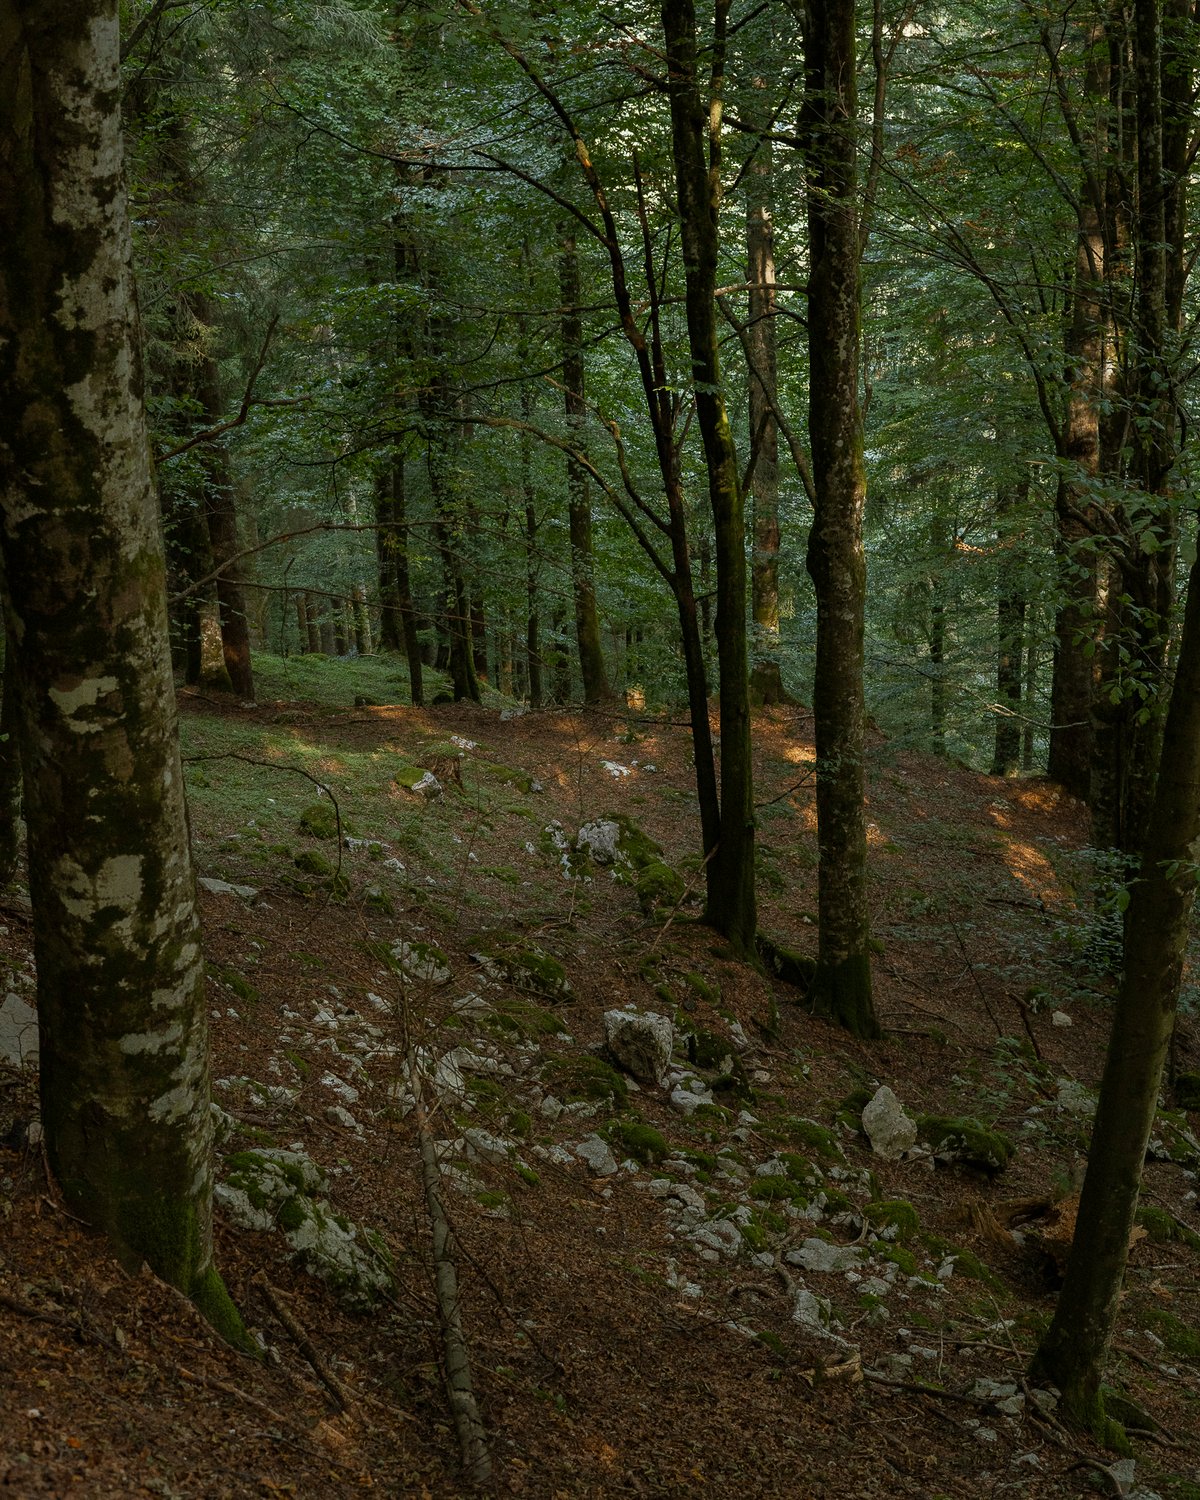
column 151, row 1041
column 85, row 694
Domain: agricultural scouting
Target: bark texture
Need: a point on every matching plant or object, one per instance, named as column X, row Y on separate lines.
column 1156, row 927
column 124, row 1073
column 836, row 560
column 592, row 670
column 731, row 895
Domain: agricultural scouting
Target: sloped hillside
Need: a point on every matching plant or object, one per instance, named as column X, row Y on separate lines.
column 684, row 1265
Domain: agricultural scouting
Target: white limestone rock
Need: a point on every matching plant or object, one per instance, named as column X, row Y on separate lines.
column 598, row 1155
column 890, row 1131
column 640, row 1043
column 18, row 1033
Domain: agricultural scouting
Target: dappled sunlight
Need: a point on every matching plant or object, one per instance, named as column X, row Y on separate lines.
column 1030, row 866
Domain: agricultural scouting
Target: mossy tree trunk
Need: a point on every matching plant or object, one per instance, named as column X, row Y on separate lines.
column 836, row 560
column 120, row 988
column 696, row 148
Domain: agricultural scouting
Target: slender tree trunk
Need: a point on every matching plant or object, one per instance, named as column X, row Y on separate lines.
column 1031, row 687
column 362, row 621
column 766, row 679
column 937, row 665
column 312, row 617
column 1156, row 928
column 579, row 501
column 479, row 654
column 731, row 894
column 10, row 771
column 836, row 560
column 220, row 513
column 389, row 541
column 120, row 980
column 1010, row 636
column 302, row 621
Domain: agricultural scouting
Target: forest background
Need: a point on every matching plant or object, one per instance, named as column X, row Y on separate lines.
column 450, row 321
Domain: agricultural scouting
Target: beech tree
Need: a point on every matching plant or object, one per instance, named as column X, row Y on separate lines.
column 120, row 989
column 836, row 559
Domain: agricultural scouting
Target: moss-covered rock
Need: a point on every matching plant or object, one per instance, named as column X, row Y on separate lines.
column 793, row 1130
column 658, row 885
column 319, row 821
column 1163, row 1228
column 1187, row 1090
column 896, row 1215
column 313, row 862
column 276, row 1190
column 507, row 776
column 786, row 964
column 528, row 968
column 966, row 1140
column 638, row 1141
column 586, row 1078
column 523, row 1018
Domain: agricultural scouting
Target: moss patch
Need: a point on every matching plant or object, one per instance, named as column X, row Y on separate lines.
column 894, row 1214
column 319, row 821
column 641, row 1142
column 967, row 1140
column 658, row 885
column 587, row 1078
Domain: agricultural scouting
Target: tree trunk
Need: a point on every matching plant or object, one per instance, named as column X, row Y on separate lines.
column 388, row 543
column 1156, row 928
column 10, row 771
column 937, row 665
column 362, row 620
column 312, row 616
column 579, row 501
column 731, row 895
column 836, row 561
column 1010, row 635
column 766, row 679
column 1031, row 685
column 302, row 621
column 120, row 980
column 220, row 513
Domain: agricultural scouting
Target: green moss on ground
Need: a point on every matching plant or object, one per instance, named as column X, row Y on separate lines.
column 640, row 1141
column 896, row 1214
column 971, row 1142
column 319, row 821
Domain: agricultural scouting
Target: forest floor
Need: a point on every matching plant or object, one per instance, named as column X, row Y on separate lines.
column 746, row 1299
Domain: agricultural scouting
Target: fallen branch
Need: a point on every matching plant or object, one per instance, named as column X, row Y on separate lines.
column 460, row 1392
column 303, row 1343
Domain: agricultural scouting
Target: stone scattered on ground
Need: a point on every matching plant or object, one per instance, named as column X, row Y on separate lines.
column 890, row 1131
column 641, row 1042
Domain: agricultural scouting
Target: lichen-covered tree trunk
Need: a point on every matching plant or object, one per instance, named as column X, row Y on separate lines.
column 836, row 560
column 120, row 986
column 592, row 670
column 731, row 896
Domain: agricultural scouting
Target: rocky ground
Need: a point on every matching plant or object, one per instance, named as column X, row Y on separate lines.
column 704, row 1242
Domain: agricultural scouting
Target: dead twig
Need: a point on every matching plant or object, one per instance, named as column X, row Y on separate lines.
column 303, row 1343
column 75, row 1326
column 460, row 1391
